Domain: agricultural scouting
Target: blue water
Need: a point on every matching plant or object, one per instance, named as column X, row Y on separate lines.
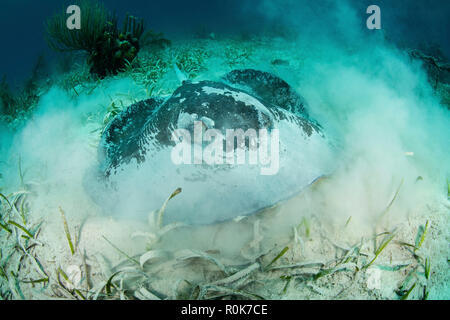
column 410, row 22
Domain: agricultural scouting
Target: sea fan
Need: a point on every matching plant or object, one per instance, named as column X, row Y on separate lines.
column 109, row 50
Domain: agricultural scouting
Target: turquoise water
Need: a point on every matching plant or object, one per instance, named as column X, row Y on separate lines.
column 379, row 96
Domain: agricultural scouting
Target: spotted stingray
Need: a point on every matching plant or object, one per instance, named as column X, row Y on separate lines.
column 137, row 171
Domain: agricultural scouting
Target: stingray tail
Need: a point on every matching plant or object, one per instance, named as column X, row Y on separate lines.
column 180, row 75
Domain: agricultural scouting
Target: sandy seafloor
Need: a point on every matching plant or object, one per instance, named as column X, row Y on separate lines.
column 375, row 112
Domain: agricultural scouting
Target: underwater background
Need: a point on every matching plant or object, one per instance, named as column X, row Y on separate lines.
column 373, row 225
column 406, row 21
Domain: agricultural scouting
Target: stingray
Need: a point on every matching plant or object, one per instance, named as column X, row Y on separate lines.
column 137, row 171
